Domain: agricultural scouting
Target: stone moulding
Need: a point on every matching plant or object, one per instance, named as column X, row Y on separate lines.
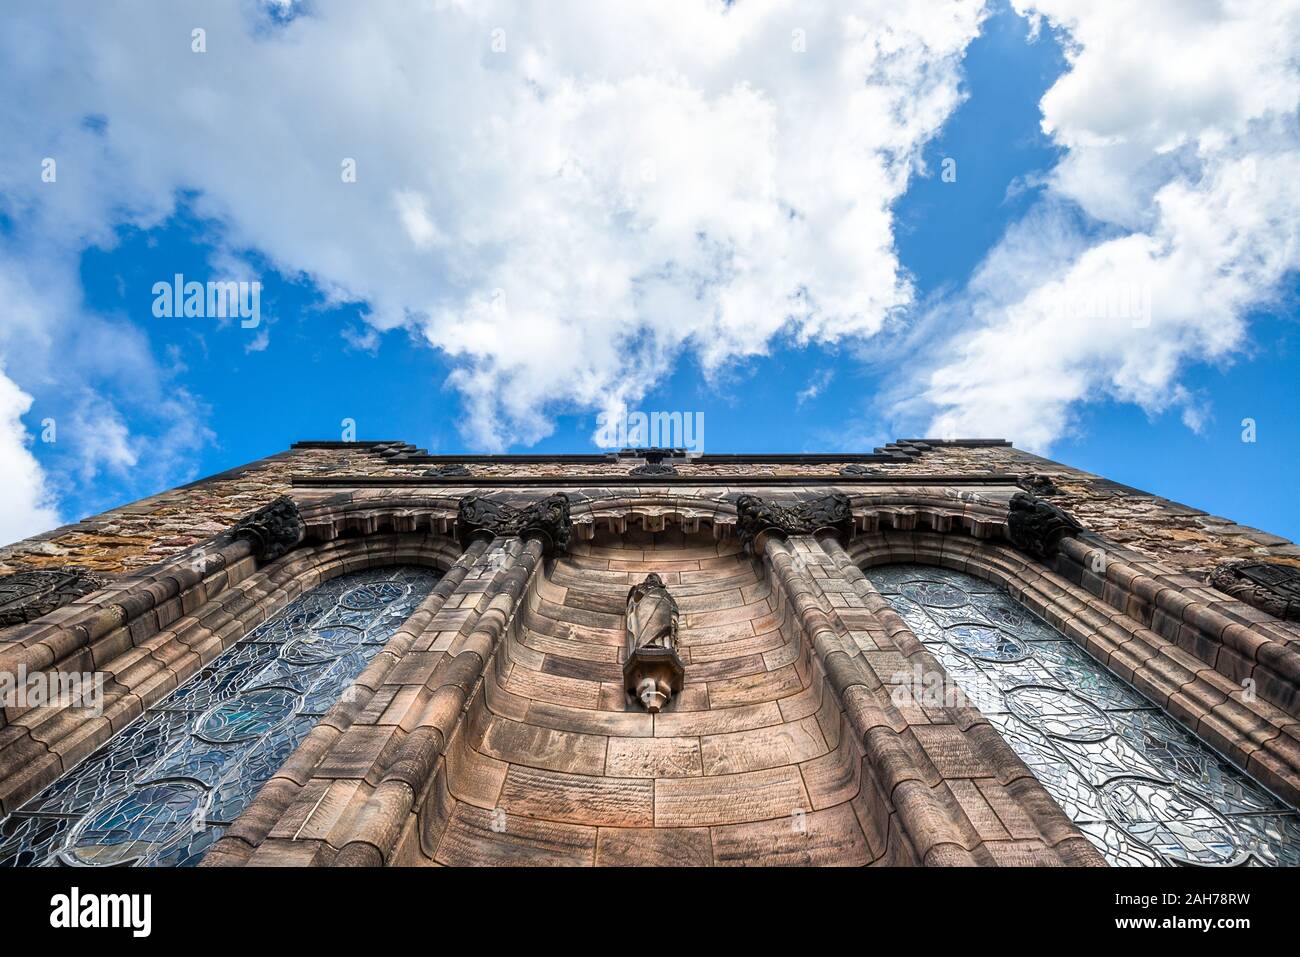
column 547, row 518
column 1269, row 586
column 1037, row 527
column 26, row 596
column 273, row 530
column 832, row 512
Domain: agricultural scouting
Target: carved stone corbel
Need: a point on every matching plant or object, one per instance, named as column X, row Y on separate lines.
column 547, row 519
column 273, row 530
column 652, row 672
column 26, row 596
column 1037, row 527
column 755, row 516
column 1272, row 587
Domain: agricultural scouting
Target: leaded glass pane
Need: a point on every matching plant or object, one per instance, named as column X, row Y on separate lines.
column 162, row 791
column 1138, row 785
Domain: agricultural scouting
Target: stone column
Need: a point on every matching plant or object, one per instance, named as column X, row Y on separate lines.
column 359, row 783
column 250, row 831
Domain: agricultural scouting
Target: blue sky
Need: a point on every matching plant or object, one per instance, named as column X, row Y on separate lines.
column 373, row 300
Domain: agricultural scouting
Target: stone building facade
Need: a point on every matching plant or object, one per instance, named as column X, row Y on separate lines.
column 938, row 653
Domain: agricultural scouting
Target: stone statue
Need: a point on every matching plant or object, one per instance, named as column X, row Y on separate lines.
column 651, row 615
column 652, row 671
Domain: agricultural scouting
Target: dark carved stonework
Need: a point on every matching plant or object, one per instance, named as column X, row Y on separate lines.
column 272, row 530
column 755, row 515
column 450, row 470
column 855, row 469
column 652, row 671
column 1037, row 527
column 547, row 519
column 1268, row 586
column 1036, row 484
column 654, row 468
column 26, row 596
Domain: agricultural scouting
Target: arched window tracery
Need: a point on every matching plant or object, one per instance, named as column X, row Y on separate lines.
column 163, row 791
column 1143, row 789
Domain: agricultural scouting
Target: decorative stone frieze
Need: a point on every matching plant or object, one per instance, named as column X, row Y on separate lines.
column 1037, row 527
column 756, row 515
column 1269, row 586
column 26, row 596
column 653, row 671
column 547, row 518
column 273, row 530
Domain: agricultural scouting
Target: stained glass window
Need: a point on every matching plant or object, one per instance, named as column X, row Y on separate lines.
column 1139, row 786
column 162, row 791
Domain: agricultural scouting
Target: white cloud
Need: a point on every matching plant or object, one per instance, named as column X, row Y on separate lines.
column 618, row 184
column 1180, row 122
column 28, row 506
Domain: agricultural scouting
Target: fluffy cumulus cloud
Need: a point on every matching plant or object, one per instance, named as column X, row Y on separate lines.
column 28, row 508
column 1172, row 214
column 563, row 198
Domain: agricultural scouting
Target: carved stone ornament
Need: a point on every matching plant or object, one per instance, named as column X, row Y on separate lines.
column 26, row 596
column 272, row 530
column 755, row 516
column 1039, row 485
column 450, row 470
column 547, row 518
column 653, row 468
column 854, row 468
column 1037, row 527
column 652, row 671
column 1269, row 586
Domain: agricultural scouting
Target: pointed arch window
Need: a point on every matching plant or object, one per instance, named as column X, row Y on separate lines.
column 164, row 790
column 1143, row 789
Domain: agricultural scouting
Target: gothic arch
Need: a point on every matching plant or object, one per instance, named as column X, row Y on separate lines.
column 149, row 633
column 1126, row 632
column 177, row 777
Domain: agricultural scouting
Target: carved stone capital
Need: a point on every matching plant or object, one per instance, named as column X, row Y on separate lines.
column 547, row 519
column 1272, row 587
column 272, row 530
column 755, row 516
column 26, row 596
column 1037, row 527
